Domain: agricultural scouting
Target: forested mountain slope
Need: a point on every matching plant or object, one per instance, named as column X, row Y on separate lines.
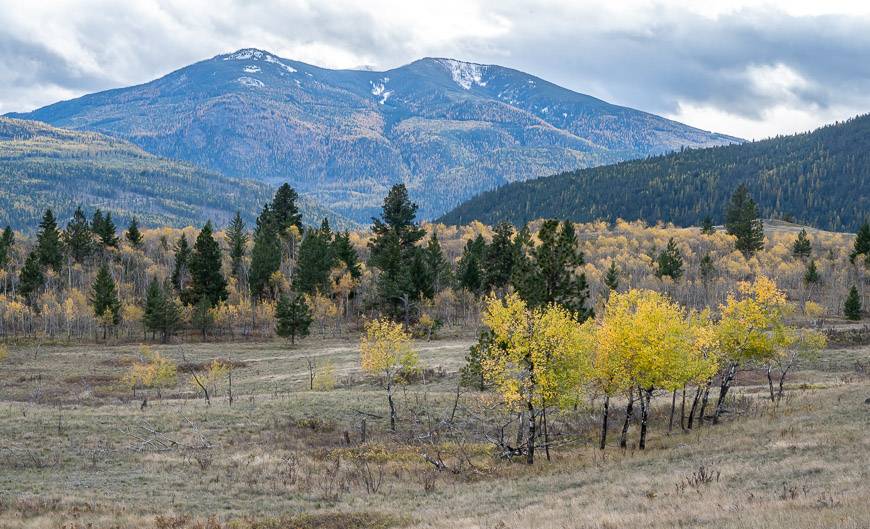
column 43, row 166
column 820, row 178
column 445, row 128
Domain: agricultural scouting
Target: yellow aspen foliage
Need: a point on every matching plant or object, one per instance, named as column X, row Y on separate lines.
column 386, row 351
column 537, row 356
column 152, row 371
column 324, row 379
column 752, row 321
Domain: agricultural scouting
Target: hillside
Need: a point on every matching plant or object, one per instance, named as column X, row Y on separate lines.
column 43, row 166
column 448, row 129
column 820, row 178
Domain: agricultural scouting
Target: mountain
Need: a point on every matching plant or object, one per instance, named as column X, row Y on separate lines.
column 446, row 128
column 42, row 166
column 820, row 178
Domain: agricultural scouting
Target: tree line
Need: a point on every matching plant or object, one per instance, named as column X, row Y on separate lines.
column 283, row 276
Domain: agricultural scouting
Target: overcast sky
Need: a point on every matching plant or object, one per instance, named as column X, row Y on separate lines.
column 750, row 69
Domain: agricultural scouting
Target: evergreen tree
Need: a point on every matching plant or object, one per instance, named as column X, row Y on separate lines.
column 437, row 268
column 7, row 240
column 707, row 227
column 743, row 222
column 202, row 317
column 670, row 261
column 206, row 280
column 862, row 243
column 104, row 228
column 499, row 258
column 611, row 278
column 104, row 298
column 315, row 262
column 78, row 237
column 181, row 270
column 472, row 374
column 345, row 253
column 392, row 252
column 161, row 312
column 133, row 235
column 265, row 255
column 284, row 211
column 48, row 243
column 30, row 279
column 707, row 269
column 811, row 276
column 470, row 271
column 852, row 307
column 237, row 239
column 523, row 277
column 802, row 247
column 293, row 317
column 556, row 261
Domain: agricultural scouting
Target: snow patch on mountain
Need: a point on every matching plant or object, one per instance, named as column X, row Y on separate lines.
column 251, row 69
column 250, row 81
column 258, row 55
column 465, row 74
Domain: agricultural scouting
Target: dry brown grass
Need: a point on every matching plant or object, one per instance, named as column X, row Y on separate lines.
column 78, row 451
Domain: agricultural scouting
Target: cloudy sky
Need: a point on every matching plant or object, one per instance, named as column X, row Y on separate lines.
column 752, row 69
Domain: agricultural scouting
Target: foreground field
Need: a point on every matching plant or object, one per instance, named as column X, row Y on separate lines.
column 78, row 450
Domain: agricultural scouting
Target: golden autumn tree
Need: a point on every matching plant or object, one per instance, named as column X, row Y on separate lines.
column 642, row 343
column 386, row 351
column 537, row 358
column 751, row 330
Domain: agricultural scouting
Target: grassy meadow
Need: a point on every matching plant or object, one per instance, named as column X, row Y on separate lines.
column 78, row 450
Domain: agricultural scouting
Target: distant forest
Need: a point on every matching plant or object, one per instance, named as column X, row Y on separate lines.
column 820, row 178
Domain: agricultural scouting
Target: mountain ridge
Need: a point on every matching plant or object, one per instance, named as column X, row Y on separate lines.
column 43, row 166
column 820, row 178
column 448, row 129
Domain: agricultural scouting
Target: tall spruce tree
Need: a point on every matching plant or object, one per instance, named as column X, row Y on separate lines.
column 206, row 280
column 104, row 228
column 802, row 247
column 470, row 266
column 78, row 237
column 30, row 279
column 181, row 269
column 862, row 243
column 499, row 258
column 742, row 221
column 811, row 276
column 523, row 277
column 284, row 211
column 315, row 261
column 265, row 255
column 852, row 306
column 133, row 235
column 392, row 252
column 345, row 253
column 438, row 273
column 104, row 299
column 670, row 261
column 7, row 241
column 556, row 262
column 292, row 317
column 161, row 313
column 48, row 243
column 611, row 278
column 237, row 239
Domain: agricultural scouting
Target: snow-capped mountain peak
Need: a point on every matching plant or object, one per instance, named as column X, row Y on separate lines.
column 465, row 74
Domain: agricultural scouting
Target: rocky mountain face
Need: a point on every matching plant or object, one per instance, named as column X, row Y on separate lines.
column 448, row 129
